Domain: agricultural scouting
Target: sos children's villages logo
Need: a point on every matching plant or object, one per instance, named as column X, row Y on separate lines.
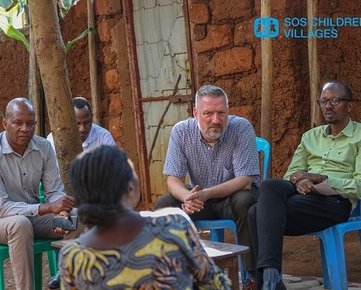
column 297, row 27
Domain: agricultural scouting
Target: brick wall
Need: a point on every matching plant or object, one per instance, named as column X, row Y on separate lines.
column 225, row 53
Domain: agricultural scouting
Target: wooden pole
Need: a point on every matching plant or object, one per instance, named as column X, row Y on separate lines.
column 314, row 71
column 93, row 64
column 146, row 195
column 267, row 70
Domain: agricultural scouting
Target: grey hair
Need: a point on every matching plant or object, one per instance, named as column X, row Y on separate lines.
column 210, row 91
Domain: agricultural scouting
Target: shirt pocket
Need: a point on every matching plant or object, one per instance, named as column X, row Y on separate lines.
column 227, row 173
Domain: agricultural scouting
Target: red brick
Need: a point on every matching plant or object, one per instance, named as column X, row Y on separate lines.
column 257, row 8
column 235, row 60
column 199, row 32
column 217, row 37
column 243, row 33
column 106, row 7
column 115, row 105
column 115, row 125
column 198, row 13
column 103, row 29
column 112, row 79
column 242, row 111
column 228, row 86
column 230, row 9
column 249, row 88
column 204, row 67
column 258, row 55
column 80, row 9
column 110, row 56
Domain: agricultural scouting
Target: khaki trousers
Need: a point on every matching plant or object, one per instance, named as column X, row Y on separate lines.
column 19, row 232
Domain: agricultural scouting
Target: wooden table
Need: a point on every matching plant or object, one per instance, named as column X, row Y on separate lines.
column 226, row 257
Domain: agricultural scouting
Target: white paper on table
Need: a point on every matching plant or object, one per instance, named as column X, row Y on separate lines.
column 325, row 189
column 212, row 252
column 165, row 211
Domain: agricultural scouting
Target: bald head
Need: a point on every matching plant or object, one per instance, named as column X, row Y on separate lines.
column 18, row 104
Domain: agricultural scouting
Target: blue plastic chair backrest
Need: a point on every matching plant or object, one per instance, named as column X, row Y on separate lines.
column 264, row 147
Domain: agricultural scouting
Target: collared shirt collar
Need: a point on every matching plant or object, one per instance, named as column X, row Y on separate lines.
column 91, row 137
column 7, row 149
column 347, row 131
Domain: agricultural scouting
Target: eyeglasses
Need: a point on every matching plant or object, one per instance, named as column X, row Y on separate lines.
column 333, row 101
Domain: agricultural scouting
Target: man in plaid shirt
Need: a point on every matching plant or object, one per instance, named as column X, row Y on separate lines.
column 219, row 154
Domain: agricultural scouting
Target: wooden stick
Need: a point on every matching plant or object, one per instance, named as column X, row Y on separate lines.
column 93, row 65
column 267, row 71
column 314, row 71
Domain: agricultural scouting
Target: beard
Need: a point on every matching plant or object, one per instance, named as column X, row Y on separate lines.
column 214, row 134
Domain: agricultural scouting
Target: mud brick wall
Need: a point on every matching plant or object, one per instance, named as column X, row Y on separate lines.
column 225, row 52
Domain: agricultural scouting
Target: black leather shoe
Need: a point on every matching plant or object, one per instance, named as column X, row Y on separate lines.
column 55, row 282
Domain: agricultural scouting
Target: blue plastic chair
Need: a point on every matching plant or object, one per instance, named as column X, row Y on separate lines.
column 217, row 227
column 333, row 250
column 39, row 246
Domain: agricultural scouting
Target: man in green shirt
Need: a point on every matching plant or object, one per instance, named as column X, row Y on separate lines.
column 321, row 186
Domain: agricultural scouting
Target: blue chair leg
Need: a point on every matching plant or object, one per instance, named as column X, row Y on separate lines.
column 340, row 249
column 330, row 253
column 326, row 279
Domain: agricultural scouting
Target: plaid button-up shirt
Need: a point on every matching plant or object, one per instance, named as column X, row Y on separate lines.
column 235, row 154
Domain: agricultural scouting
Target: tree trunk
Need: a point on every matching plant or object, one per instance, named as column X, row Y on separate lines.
column 50, row 53
column 36, row 91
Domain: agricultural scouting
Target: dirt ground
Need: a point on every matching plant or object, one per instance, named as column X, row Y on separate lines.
column 301, row 258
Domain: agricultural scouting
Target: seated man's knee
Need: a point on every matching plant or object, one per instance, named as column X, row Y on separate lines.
column 243, row 200
column 166, row 200
column 272, row 184
column 252, row 215
column 20, row 226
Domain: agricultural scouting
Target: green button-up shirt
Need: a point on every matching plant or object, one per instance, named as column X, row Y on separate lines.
column 338, row 157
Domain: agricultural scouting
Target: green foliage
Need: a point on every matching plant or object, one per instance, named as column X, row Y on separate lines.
column 65, row 5
column 6, row 22
column 7, row 4
column 8, row 12
column 71, row 43
column 12, row 32
column 10, row 4
column 9, row 8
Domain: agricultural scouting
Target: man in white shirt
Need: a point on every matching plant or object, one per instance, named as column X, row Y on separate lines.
column 91, row 135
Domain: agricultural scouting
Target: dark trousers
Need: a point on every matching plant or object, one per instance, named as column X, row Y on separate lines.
column 280, row 211
column 233, row 207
